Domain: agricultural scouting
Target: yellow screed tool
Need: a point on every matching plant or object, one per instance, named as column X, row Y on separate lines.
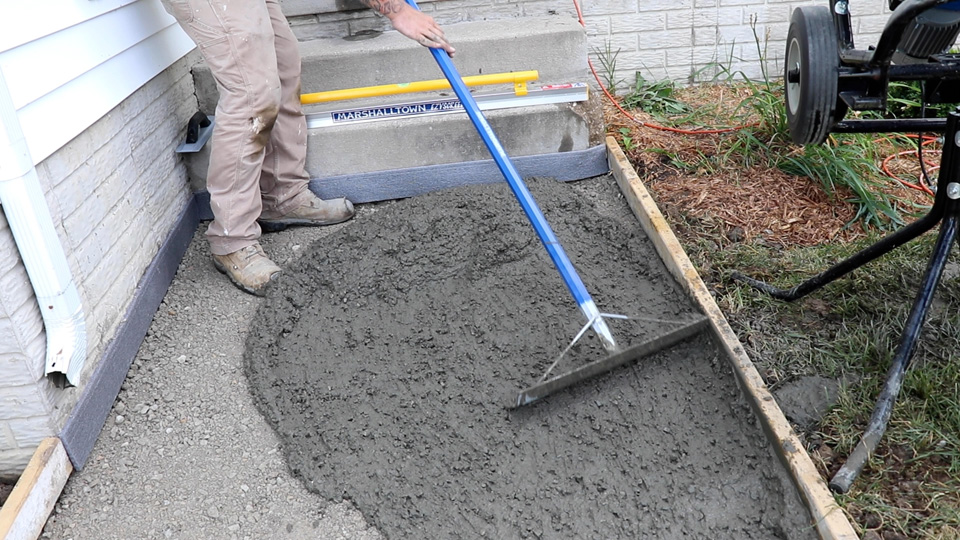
column 519, row 79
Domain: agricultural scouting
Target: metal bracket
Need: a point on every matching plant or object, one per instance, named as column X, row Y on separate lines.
column 199, row 130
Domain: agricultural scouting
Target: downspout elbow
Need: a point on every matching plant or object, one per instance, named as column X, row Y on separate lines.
column 29, row 218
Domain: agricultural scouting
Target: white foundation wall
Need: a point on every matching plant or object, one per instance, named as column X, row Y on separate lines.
column 687, row 41
column 114, row 192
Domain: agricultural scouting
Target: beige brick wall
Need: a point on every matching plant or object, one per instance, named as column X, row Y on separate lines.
column 114, row 193
column 697, row 40
column 21, row 345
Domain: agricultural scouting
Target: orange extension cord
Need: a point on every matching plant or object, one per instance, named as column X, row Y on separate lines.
column 925, row 140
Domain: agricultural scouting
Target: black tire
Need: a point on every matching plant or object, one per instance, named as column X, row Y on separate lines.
column 810, row 74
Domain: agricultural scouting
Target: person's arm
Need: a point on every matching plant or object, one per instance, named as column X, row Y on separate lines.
column 414, row 24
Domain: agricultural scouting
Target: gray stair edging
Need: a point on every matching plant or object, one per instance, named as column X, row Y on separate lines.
column 403, row 183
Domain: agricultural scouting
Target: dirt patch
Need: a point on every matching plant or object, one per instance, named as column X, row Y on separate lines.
column 385, row 357
column 804, row 400
column 5, row 490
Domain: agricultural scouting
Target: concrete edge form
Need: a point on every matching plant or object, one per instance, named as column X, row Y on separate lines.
column 830, row 520
column 26, row 511
column 87, row 419
column 402, row 183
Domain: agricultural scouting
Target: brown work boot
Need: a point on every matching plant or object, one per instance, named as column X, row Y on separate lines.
column 315, row 212
column 249, row 268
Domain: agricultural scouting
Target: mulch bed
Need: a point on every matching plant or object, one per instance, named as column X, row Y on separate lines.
column 751, row 203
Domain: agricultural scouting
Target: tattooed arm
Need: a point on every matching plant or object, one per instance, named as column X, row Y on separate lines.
column 414, row 24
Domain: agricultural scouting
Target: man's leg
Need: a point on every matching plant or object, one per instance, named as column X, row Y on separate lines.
column 236, row 40
column 283, row 184
column 284, row 178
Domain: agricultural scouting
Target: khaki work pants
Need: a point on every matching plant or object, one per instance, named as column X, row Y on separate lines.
column 259, row 142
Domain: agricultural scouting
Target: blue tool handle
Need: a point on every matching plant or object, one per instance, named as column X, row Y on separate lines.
column 549, row 240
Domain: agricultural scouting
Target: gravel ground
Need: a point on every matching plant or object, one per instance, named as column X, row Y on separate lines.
column 184, row 453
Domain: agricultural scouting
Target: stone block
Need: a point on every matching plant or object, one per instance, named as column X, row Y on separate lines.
column 292, row 8
column 420, row 141
column 23, row 401
column 13, row 462
column 28, row 432
column 554, row 46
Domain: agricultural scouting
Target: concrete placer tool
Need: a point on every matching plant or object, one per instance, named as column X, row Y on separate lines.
column 595, row 320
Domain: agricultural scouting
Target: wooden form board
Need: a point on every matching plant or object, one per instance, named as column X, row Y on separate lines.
column 830, row 520
column 26, row 511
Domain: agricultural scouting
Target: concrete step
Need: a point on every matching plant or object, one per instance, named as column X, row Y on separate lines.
column 554, row 46
column 422, row 141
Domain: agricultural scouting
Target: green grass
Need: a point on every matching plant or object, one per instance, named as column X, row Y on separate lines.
column 904, row 100
column 608, row 66
column 848, row 330
column 657, row 98
column 850, row 164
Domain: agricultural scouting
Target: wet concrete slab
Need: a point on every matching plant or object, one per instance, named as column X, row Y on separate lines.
column 386, row 356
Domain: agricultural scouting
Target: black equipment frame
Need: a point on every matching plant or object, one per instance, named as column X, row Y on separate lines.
column 863, row 79
column 946, row 212
column 865, row 74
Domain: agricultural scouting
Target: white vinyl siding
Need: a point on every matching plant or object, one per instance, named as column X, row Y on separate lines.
column 102, row 92
column 68, row 62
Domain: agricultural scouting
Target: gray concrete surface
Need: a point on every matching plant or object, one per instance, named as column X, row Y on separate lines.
column 387, row 358
column 184, row 453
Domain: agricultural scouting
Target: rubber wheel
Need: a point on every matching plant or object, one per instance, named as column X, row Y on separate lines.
column 810, row 75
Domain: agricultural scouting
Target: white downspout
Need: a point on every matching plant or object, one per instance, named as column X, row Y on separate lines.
column 29, row 217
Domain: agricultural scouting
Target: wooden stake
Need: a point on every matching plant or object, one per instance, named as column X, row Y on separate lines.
column 28, row 507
